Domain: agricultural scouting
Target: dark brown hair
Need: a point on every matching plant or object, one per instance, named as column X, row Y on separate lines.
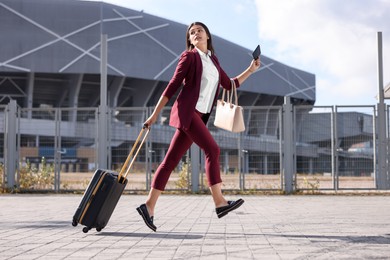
column 209, row 41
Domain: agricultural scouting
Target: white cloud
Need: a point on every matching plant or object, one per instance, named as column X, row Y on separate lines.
column 336, row 40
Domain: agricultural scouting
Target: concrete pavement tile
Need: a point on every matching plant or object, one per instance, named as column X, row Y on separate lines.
column 168, row 243
column 113, row 251
column 10, row 252
column 26, row 257
column 85, row 253
column 168, row 254
column 237, row 257
column 137, row 253
column 48, row 257
column 268, row 256
column 59, row 252
column 291, row 256
column 265, row 227
column 184, row 251
column 76, row 257
column 211, row 249
column 105, row 257
column 238, row 252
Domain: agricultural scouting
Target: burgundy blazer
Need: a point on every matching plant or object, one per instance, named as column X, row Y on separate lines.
column 188, row 74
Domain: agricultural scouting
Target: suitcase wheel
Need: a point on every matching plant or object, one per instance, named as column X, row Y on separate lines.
column 74, row 223
column 98, row 229
column 86, row 229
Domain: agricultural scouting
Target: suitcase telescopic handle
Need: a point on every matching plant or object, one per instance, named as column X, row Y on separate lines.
column 130, row 158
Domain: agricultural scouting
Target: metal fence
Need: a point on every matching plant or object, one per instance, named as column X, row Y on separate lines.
column 334, row 148
column 344, row 143
column 2, row 146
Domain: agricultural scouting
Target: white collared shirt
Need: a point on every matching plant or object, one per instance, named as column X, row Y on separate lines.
column 208, row 84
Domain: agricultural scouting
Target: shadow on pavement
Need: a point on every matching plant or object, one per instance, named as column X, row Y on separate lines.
column 382, row 240
column 159, row 235
column 43, row 224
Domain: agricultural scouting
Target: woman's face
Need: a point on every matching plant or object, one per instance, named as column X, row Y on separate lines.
column 198, row 36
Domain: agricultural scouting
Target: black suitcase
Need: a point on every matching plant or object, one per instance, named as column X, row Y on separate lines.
column 103, row 192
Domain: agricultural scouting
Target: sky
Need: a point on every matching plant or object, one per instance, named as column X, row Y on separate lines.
column 333, row 39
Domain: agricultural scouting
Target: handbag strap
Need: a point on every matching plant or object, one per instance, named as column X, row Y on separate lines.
column 230, row 94
column 223, row 95
column 234, row 92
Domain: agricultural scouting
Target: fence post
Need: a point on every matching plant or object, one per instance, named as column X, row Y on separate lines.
column 288, row 146
column 381, row 175
column 195, row 166
column 10, row 154
column 334, row 152
column 240, row 160
column 103, row 108
column 57, row 150
column 382, row 178
column 148, row 161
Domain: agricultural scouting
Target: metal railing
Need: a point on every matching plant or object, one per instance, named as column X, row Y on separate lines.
column 334, row 148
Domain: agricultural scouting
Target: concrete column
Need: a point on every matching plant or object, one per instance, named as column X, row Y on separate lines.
column 74, row 86
column 265, row 164
column 30, row 92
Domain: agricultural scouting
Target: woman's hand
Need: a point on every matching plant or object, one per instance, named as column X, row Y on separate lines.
column 153, row 118
column 150, row 121
column 255, row 65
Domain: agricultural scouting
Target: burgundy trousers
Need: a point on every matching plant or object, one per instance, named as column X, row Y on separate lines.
column 181, row 141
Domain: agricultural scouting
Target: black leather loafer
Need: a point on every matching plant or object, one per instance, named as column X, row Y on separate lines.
column 143, row 211
column 232, row 205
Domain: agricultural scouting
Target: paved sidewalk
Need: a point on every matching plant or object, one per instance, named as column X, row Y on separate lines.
column 265, row 227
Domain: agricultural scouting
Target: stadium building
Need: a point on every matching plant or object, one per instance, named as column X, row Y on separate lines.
column 50, row 58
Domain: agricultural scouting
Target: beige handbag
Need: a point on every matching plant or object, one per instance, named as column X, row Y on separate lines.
column 229, row 116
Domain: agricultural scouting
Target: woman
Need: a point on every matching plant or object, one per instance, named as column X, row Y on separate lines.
column 200, row 74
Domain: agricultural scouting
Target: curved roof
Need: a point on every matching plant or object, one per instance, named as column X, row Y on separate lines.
column 59, row 40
